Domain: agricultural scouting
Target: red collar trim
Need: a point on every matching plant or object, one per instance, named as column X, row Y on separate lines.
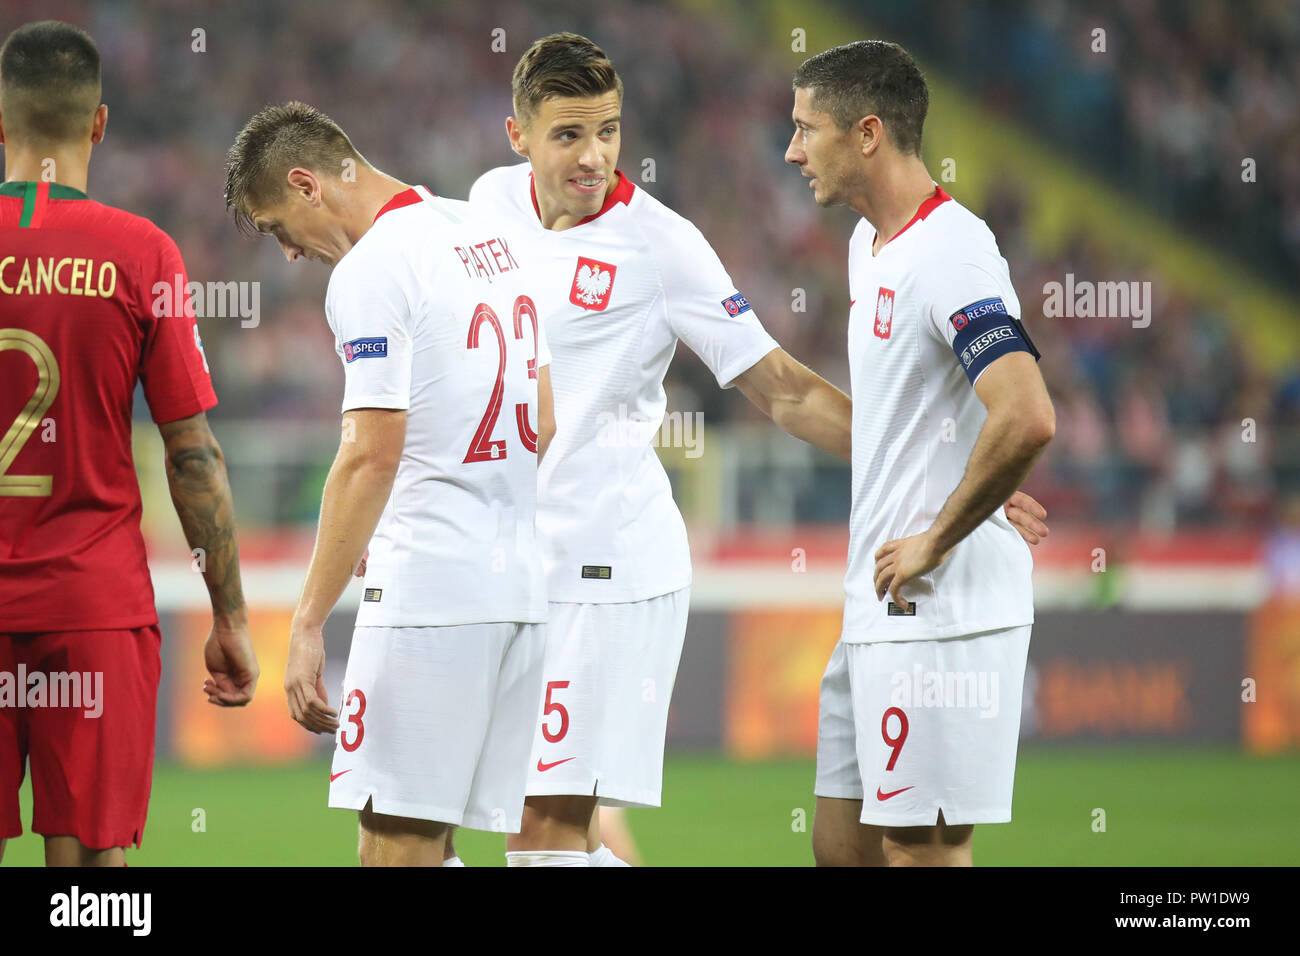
column 407, row 197
column 622, row 193
column 930, row 205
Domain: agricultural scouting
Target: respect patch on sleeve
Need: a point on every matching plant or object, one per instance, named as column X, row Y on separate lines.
column 977, row 310
column 736, row 304
column 375, row 347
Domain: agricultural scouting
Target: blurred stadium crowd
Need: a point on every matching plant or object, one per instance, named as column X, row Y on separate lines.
column 1183, row 93
column 1149, row 425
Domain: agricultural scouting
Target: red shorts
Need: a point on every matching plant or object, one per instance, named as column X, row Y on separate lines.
column 89, row 736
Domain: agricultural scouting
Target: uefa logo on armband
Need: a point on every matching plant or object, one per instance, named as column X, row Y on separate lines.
column 977, row 310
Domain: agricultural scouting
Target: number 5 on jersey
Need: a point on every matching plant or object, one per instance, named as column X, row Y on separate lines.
column 482, row 447
column 554, row 707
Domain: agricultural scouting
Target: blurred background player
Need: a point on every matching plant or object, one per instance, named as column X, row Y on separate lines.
column 81, row 321
column 627, row 278
column 438, row 337
column 934, row 336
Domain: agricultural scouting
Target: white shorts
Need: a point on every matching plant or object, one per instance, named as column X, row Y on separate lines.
column 607, row 682
column 914, row 727
column 436, row 722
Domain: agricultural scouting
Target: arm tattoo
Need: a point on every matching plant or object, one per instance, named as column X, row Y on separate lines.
column 196, row 474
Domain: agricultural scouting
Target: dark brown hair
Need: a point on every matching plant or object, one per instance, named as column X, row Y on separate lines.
column 869, row 77
column 562, row 64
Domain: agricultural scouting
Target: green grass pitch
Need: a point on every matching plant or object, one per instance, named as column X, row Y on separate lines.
column 1162, row 806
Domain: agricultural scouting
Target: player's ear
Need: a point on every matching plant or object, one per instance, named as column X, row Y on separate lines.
column 101, row 122
column 869, row 130
column 301, row 182
column 515, row 130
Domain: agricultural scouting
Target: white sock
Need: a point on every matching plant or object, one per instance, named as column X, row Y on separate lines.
column 453, row 861
column 547, row 858
column 605, row 857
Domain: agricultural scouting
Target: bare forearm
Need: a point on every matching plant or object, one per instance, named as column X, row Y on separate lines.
column 355, row 494
column 200, row 491
column 1003, row 455
column 822, row 417
column 800, row 401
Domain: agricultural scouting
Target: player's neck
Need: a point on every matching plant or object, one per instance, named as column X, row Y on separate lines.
column 895, row 195
column 554, row 217
column 374, row 190
column 67, row 167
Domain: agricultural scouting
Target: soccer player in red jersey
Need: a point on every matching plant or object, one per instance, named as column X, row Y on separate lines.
column 81, row 319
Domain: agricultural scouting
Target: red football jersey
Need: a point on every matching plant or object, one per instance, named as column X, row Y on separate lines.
column 91, row 299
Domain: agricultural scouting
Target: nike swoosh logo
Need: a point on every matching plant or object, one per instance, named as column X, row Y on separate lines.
column 543, row 767
column 335, row 776
column 852, row 303
column 893, row 793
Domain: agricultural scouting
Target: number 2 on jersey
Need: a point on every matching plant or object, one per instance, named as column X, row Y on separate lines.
column 482, row 447
column 47, row 387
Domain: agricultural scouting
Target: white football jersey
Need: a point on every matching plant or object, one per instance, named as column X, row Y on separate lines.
column 927, row 316
column 622, row 287
column 431, row 312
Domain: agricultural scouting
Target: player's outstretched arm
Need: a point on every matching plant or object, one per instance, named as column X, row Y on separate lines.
column 1020, row 423
column 812, row 409
column 196, row 475
column 801, row 402
column 358, row 486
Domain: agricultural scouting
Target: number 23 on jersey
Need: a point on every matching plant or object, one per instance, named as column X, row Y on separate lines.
column 482, row 447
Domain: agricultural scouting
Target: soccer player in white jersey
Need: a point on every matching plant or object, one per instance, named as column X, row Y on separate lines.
column 445, row 374
column 627, row 279
column 920, row 703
